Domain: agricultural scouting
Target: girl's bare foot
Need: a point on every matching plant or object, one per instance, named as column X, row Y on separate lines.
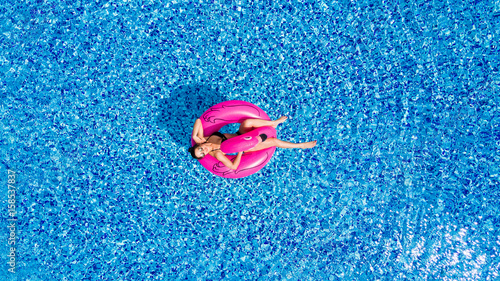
column 310, row 144
column 279, row 121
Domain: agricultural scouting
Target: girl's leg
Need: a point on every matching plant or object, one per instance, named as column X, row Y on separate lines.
column 250, row 124
column 282, row 144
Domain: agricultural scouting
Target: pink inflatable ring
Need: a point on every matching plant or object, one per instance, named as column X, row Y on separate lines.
column 229, row 112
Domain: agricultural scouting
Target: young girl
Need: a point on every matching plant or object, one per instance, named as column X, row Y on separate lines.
column 211, row 144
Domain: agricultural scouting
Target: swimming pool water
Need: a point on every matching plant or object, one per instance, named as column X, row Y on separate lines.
column 98, row 99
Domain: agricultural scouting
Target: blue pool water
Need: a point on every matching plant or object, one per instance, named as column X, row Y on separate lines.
column 97, row 103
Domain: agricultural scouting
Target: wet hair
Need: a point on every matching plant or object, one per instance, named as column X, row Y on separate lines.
column 193, row 149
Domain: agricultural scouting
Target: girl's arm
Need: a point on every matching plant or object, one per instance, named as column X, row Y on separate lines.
column 197, row 134
column 224, row 160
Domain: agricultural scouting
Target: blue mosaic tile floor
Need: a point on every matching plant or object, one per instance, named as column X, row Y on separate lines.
column 97, row 103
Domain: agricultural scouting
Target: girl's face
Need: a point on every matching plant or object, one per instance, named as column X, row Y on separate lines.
column 202, row 150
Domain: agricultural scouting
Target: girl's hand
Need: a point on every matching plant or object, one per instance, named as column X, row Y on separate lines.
column 199, row 140
column 197, row 134
column 231, row 165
